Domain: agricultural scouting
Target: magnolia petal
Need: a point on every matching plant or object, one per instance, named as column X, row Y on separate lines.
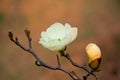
column 53, row 45
column 68, row 28
column 74, row 33
column 44, row 36
column 56, row 30
column 66, row 40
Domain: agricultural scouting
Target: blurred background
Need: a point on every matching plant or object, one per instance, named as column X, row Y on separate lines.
column 98, row 21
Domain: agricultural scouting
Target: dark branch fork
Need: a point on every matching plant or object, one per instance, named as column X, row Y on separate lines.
column 40, row 63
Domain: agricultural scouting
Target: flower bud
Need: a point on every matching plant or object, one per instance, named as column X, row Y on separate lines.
column 10, row 34
column 27, row 32
column 94, row 55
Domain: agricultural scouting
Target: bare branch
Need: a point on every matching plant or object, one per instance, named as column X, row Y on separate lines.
column 67, row 56
column 27, row 32
column 41, row 63
column 87, row 75
column 58, row 60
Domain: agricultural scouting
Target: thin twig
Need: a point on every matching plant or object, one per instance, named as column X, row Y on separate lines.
column 39, row 62
column 67, row 56
column 86, row 76
column 58, row 60
column 72, row 74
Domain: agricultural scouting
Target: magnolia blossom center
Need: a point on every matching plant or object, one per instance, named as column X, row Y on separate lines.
column 59, row 39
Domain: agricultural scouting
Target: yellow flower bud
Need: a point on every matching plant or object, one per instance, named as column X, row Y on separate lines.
column 94, row 55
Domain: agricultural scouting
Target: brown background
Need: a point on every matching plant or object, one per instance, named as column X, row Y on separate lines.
column 97, row 20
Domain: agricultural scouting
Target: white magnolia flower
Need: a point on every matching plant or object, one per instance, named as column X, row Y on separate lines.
column 57, row 36
column 93, row 52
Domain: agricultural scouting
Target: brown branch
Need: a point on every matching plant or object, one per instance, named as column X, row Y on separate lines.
column 67, row 56
column 39, row 62
column 58, row 60
column 91, row 73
